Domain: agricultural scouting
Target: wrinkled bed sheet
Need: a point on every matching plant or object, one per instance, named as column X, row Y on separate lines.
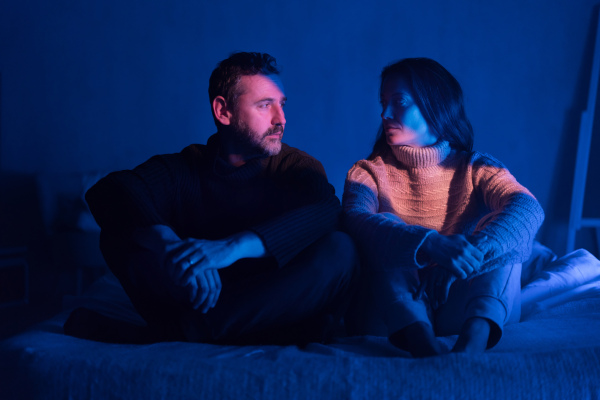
column 554, row 353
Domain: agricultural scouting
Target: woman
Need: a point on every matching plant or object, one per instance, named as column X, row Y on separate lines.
column 442, row 230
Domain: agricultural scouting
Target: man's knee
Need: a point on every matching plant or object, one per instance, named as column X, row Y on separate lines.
column 338, row 255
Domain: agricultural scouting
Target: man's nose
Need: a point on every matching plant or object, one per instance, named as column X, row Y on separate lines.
column 278, row 116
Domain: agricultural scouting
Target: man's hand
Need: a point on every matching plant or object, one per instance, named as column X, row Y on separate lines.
column 204, row 289
column 188, row 257
column 436, row 285
column 192, row 263
column 195, row 263
column 456, row 253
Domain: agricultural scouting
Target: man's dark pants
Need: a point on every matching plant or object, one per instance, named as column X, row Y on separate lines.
column 259, row 301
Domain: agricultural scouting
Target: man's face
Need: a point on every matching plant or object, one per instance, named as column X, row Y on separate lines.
column 258, row 120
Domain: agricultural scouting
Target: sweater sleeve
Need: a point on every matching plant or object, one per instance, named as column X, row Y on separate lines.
column 384, row 240
column 515, row 215
column 312, row 208
column 125, row 200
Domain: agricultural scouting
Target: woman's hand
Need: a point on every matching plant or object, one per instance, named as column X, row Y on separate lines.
column 436, row 285
column 456, row 253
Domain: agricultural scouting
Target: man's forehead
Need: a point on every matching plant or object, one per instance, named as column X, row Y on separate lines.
column 257, row 84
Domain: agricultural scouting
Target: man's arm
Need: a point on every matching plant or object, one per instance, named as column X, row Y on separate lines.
column 210, row 254
column 313, row 210
column 125, row 200
column 192, row 263
column 137, row 206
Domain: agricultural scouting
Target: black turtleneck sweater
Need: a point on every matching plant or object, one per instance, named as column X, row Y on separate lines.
column 285, row 199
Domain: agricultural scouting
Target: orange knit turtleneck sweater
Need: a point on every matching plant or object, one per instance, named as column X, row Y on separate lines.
column 437, row 188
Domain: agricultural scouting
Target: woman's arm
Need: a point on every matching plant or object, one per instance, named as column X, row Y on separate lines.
column 515, row 215
column 383, row 238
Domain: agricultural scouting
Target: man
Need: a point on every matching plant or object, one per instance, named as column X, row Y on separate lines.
column 229, row 242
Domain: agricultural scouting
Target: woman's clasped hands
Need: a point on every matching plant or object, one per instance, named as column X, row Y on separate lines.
column 451, row 257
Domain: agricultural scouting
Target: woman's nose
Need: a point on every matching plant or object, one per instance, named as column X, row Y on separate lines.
column 386, row 113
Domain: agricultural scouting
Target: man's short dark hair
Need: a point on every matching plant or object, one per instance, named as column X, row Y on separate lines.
column 225, row 78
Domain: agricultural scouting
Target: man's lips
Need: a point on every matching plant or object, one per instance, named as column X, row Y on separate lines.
column 277, row 133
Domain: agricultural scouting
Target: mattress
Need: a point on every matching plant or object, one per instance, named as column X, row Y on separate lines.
column 553, row 353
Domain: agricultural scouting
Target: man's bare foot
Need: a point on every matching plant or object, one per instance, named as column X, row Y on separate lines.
column 418, row 339
column 473, row 337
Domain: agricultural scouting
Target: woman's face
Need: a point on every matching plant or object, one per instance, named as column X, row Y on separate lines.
column 403, row 123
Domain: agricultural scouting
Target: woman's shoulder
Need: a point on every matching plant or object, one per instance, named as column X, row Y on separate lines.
column 478, row 160
column 370, row 163
column 370, row 166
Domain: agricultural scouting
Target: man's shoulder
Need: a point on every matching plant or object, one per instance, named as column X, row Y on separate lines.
column 190, row 157
column 192, row 154
column 194, row 151
column 198, row 153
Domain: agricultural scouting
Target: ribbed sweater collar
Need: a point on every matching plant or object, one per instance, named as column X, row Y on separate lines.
column 421, row 157
column 229, row 172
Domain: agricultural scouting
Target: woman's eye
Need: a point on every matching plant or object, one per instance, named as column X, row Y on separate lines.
column 396, row 102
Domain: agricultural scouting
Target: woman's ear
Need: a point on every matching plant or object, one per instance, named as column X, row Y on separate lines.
column 221, row 110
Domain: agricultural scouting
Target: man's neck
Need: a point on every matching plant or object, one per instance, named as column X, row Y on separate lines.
column 233, row 152
column 237, row 160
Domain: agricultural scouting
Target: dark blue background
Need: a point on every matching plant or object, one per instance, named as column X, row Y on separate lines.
column 95, row 86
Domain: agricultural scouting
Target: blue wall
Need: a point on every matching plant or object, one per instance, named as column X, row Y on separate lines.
column 103, row 85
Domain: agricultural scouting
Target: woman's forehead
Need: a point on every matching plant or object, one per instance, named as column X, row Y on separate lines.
column 394, row 84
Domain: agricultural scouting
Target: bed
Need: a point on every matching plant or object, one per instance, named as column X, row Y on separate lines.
column 553, row 353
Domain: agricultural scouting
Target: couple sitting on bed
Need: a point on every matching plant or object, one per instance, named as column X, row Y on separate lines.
column 237, row 241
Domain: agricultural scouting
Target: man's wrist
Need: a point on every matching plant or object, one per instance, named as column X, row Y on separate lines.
column 247, row 244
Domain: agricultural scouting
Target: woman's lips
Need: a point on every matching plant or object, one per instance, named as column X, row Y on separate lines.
column 391, row 129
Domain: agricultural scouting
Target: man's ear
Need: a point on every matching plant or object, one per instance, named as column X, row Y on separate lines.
column 221, row 110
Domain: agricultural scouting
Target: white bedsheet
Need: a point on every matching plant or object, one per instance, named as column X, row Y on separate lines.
column 553, row 353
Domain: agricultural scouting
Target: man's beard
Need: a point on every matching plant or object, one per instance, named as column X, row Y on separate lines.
column 253, row 143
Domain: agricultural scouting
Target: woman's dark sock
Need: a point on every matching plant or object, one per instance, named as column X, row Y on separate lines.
column 418, row 339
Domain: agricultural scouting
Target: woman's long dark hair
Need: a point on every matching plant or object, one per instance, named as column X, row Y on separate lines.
column 439, row 98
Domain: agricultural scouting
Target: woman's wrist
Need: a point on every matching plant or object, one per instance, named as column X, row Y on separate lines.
column 424, row 251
